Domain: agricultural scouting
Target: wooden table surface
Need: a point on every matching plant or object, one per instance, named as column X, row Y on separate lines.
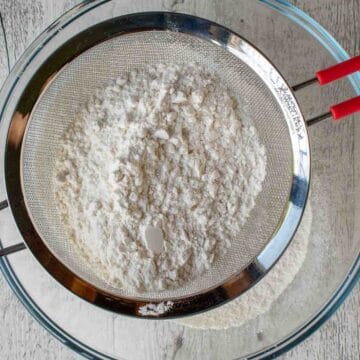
column 21, row 337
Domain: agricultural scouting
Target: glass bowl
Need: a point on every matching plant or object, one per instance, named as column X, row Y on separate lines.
column 331, row 267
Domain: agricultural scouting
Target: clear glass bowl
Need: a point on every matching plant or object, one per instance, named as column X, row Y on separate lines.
column 332, row 265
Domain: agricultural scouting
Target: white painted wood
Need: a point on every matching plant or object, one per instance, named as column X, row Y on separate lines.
column 339, row 338
column 21, row 337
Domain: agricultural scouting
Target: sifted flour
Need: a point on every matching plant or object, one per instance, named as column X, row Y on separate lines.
column 259, row 299
column 160, row 151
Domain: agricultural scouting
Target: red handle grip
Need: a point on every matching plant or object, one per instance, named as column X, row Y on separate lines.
column 339, row 70
column 345, row 108
column 334, row 73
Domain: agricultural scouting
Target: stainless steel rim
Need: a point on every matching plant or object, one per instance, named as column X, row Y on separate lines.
column 211, row 32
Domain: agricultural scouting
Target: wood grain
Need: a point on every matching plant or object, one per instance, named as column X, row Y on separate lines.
column 339, row 338
column 22, row 337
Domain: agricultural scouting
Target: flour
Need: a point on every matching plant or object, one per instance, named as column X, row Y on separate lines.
column 156, row 309
column 162, row 148
column 259, row 299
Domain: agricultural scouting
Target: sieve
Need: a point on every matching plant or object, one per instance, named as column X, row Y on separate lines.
column 90, row 59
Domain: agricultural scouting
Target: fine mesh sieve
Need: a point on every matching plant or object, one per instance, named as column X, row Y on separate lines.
column 151, row 38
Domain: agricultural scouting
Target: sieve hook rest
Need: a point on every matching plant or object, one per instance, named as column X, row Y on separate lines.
column 13, row 248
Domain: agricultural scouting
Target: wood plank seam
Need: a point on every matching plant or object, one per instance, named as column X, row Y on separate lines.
column 5, row 41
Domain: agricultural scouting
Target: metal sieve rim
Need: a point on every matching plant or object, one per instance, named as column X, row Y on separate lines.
column 219, row 36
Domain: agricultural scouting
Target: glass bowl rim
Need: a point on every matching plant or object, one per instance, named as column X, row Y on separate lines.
column 335, row 50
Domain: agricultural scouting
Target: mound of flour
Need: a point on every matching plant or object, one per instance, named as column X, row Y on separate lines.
column 162, row 148
column 259, row 299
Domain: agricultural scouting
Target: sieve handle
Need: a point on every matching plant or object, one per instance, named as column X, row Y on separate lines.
column 338, row 111
column 329, row 75
column 338, row 71
column 345, row 108
column 13, row 248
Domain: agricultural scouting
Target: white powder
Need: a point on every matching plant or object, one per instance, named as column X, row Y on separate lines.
column 160, row 151
column 258, row 300
column 156, row 309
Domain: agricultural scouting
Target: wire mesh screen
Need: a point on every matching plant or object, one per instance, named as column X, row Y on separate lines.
column 59, row 105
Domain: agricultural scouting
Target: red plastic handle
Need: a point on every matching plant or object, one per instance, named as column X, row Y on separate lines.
column 334, row 73
column 345, row 108
column 339, row 70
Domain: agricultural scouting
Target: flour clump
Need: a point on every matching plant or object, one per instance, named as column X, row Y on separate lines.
column 157, row 175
